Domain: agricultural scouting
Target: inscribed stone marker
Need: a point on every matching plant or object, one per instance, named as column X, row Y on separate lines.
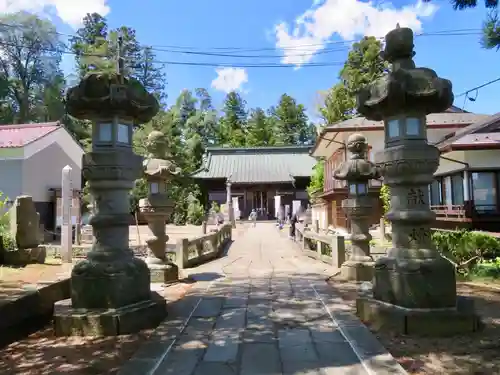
column 66, row 224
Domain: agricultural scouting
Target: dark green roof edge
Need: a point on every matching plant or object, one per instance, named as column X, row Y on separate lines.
column 263, row 148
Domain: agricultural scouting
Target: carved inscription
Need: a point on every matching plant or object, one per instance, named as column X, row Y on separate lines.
column 415, row 197
column 419, row 236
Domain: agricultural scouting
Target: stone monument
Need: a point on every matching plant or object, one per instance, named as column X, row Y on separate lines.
column 414, row 287
column 157, row 208
column 66, row 224
column 110, row 289
column 358, row 171
column 25, row 229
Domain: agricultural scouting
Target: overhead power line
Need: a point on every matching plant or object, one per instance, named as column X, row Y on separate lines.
column 306, row 47
column 476, row 89
column 188, row 63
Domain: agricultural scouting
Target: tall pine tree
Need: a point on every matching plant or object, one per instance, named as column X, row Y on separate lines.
column 260, row 130
column 290, row 120
column 234, row 121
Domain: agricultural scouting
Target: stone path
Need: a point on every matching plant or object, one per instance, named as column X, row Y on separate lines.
column 263, row 309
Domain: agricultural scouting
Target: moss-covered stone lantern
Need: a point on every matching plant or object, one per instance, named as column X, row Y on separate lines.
column 414, row 287
column 357, row 172
column 157, row 207
column 110, row 289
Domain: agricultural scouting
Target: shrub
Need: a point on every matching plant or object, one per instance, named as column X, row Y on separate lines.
column 214, row 207
column 9, row 242
column 464, row 249
column 487, row 268
column 385, row 197
column 195, row 211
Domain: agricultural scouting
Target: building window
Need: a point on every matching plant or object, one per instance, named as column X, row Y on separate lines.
column 484, row 191
column 436, row 196
column 457, row 189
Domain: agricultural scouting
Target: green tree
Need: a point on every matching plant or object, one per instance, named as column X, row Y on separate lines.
column 234, row 120
column 29, row 63
column 151, row 74
column 93, row 31
column 317, row 178
column 291, row 122
column 491, row 26
column 260, row 131
column 363, row 66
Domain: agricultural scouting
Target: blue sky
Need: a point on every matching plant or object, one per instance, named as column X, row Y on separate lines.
column 280, row 27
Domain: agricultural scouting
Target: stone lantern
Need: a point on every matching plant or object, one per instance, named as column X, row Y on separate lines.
column 414, row 287
column 157, row 207
column 110, row 289
column 358, row 171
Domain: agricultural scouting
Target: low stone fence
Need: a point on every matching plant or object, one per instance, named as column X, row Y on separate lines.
column 327, row 248
column 198, row 250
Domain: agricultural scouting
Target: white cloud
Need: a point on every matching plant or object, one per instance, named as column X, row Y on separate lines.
column 70, row 12
column 346, row 18
column 230, row 79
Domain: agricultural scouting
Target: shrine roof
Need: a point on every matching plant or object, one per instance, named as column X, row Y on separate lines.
column 278, row 164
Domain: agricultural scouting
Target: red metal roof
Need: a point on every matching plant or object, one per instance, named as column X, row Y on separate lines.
column 22, row 134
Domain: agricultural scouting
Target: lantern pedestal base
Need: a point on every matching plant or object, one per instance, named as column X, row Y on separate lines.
column 357, row 271
column 164, row 273
column 69, row 321
column 419, row 322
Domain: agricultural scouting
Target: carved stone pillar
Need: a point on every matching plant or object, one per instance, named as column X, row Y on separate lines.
column 110, row 283
column 414, row 287
column 358, row 171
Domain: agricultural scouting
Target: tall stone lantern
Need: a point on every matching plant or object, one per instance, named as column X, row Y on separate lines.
column 110, row 289
column 414, row 287
column 157, row 207
column 358, row 171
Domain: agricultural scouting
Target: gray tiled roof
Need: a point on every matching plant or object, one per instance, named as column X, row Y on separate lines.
column 485, row 125
column 257, row 165
column 445, row 118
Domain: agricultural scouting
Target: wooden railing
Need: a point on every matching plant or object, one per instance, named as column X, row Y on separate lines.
column 465, row 212
column 201, row 249
column 449, row 212
column 327, row 248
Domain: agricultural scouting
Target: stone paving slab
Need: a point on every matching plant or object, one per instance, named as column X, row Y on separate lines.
column 267, row 310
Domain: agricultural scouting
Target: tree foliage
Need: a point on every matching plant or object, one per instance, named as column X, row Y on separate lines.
column 491, row 27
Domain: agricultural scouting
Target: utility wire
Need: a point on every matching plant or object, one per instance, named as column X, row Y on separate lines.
column 188, row 63
column 478, row 87
column 197, row 50
column 466, row 96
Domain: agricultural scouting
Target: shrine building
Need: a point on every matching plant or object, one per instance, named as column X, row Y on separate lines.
column 257, row 175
